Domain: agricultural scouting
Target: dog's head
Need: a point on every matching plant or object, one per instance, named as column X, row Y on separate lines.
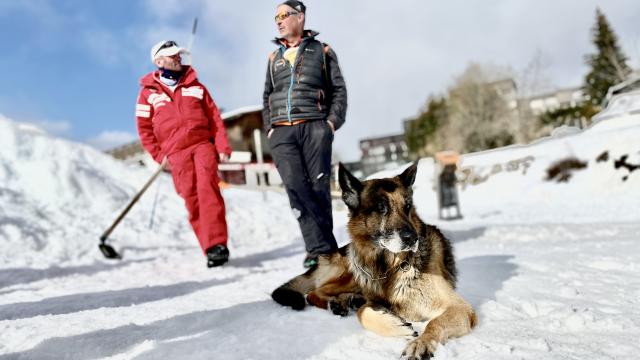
column 381, row 210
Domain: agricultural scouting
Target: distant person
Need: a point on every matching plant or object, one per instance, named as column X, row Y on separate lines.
column 179, row 122
column 448, row 191
column 305, row 102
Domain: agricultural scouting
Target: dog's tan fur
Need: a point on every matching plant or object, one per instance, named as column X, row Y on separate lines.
column 396, row 269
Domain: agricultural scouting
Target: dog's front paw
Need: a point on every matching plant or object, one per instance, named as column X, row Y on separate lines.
column 419, row 349
column 356, row 301
column 338, row 307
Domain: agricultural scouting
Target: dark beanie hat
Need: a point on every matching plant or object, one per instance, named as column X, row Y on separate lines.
column 298, row 5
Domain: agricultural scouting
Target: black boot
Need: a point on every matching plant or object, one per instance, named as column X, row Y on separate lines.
column 217, row 256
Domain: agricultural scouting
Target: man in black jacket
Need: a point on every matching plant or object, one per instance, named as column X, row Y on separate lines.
column 305, row 102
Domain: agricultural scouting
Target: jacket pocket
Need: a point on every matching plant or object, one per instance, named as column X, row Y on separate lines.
column 320, row 99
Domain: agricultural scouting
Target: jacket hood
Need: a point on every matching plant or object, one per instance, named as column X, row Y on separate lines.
column 305, row 34
column 152, row 78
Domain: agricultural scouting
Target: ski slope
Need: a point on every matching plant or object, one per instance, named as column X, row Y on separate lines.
column 551, row 268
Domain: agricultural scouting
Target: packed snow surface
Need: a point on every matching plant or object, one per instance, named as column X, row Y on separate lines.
column 552, row 268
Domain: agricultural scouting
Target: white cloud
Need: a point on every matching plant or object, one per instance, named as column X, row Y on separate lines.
column 110, row 139
column 57, row 128
column 51, row 127
column 170, row 9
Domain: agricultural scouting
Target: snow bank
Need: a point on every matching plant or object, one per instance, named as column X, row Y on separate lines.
column 513, row 178
column 58, row 197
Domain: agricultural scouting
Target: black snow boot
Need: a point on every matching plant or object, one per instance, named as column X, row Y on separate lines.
column 217, row 255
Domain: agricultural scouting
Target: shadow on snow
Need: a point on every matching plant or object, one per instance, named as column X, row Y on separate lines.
column 253, row 330
column 14, row 276
column 107, row 299
column 481, row 277
column 457, row 236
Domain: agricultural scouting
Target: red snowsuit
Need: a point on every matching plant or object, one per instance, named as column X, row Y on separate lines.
column 184, row 125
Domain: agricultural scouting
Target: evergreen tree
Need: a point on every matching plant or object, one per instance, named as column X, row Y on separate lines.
column 568, row 115
column 608, row 65
column 421, row 130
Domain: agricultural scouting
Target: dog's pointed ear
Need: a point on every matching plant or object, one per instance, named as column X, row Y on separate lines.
column 351, row 187
column 408, row 176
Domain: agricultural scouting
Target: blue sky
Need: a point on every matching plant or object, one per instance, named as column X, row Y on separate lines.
column 73, row 66
column 57, row 74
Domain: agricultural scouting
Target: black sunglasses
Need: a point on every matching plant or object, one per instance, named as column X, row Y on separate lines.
column 167, row 44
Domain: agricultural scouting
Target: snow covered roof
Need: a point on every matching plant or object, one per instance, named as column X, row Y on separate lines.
column 229, row 115
column 623, row 103
column 631, row 84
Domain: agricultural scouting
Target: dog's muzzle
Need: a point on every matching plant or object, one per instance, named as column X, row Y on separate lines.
column 400, row 241
column 409, row 240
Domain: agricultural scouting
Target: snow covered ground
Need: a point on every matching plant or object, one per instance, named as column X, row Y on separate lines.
column 551, row 268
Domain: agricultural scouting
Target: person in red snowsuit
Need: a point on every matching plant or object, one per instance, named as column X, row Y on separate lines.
column 179, row 122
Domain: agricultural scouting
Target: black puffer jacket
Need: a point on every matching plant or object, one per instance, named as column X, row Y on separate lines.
column 312, row 89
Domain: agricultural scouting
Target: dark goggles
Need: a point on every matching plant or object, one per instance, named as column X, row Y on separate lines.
column 167, row 44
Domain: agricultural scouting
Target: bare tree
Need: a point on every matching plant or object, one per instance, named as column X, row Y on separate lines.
column 532, row 80
column 482, row 109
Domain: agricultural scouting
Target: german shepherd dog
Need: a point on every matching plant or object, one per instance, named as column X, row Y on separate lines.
column 395, row 270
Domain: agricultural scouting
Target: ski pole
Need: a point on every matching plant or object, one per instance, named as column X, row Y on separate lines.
column 153, row 208
column 193, row 35
column 107, row 250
